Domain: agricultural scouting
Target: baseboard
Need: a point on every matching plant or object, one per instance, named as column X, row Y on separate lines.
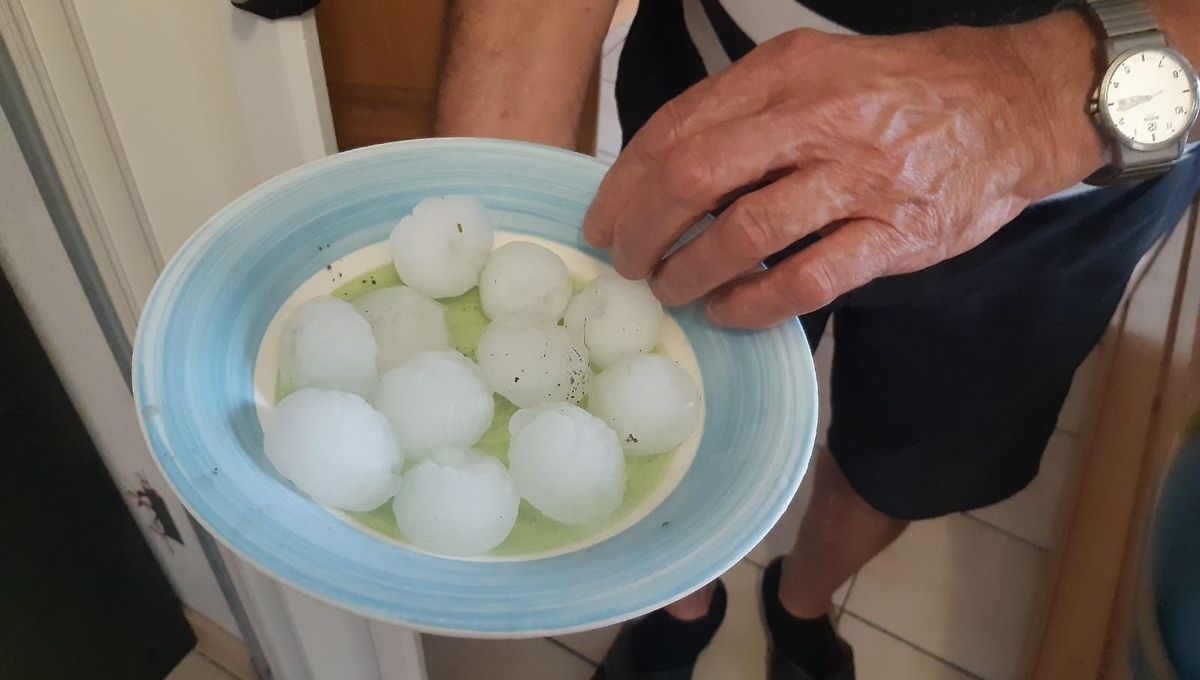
column 220, row 646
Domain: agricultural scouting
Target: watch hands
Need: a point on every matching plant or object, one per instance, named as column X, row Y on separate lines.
column 1131, row 102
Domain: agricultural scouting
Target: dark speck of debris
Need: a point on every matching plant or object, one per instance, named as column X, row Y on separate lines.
column 329, row 267
column 516, row 378
column 666, row 524
column 216, row 470
column 631, row 439
column 459, row 225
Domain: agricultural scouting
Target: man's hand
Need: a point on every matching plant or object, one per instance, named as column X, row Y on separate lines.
column 901, row 151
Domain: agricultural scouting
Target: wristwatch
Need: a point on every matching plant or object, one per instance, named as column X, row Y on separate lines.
column 1147, row 100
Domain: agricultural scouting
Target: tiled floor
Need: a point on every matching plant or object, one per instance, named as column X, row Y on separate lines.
column 196, row 666
column 952, row 599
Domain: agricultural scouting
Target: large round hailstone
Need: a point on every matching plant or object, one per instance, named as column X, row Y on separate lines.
column 334, row 447
column 566, row 462
column 524, row 278
column 458, row 503
column 440, row 247
column 405, row 323
column 651, row 402
column 530, row 362
column 615, row 317
column 434, row 400
column 326, row 343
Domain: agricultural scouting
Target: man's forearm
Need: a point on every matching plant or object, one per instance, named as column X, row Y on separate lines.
column 518, row 69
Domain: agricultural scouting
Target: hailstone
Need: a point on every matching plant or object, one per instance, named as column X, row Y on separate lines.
column 459, row 503
column 435, row 399
column 524, row 278
column 651, row 402
column 326, row 343
column 334, row 447
column 531, row 362
column 566, row 462
column 615, row 317
column 405, row 323
column 440, row 248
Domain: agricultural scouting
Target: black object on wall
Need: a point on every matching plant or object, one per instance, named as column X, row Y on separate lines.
column 276, row 9
column 81, row 594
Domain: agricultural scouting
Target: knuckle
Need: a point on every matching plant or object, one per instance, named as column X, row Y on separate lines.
column 751, row 230
column 687, row 173
column 800, row 40
column 662, row 130
column 816, row 285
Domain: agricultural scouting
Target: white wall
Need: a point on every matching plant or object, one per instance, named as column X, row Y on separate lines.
column 202, row 101
column 205, row 101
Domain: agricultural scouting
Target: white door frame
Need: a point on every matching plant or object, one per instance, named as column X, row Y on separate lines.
column 97, row 123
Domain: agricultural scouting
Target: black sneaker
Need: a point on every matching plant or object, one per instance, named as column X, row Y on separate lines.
column 837, row 664
column 683, row 640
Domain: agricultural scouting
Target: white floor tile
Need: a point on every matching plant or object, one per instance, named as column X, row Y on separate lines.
column 461, row 659
column 592, row 644
column 957, row 588
column 823, row 358
column 1074, row 412
column 608, row 133
column 196, row 666
column 739, row 649
column 616, row 36
column 610, row 61
column 879, row 656
column 1034, row 514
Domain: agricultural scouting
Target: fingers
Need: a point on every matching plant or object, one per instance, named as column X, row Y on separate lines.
column 753, row 228
column 744, row 90
column 853, row 255
column 647, row 201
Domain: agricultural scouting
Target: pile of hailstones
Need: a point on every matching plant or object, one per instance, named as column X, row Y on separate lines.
column 375, row 383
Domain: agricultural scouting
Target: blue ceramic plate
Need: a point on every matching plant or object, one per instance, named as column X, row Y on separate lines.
column 194, row 364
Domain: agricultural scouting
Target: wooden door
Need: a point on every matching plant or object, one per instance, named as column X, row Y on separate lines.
column 381, row 67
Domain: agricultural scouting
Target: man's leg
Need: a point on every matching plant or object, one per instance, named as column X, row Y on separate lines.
column 693, row 606
column 840, row 533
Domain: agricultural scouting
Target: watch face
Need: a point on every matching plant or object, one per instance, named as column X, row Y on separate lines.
column 1150, row 98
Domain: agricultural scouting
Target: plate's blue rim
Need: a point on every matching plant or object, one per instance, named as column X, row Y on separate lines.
column 160, row 296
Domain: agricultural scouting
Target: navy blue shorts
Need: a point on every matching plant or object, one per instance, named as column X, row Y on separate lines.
column 947, row 383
